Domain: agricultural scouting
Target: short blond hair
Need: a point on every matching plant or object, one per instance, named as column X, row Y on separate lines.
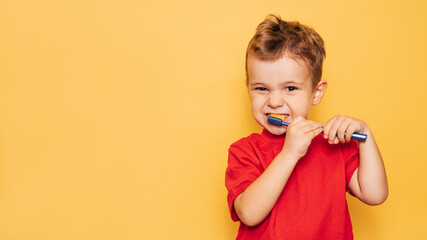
column 275, row 37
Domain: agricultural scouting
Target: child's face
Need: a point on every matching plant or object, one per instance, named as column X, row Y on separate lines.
column 281, row 87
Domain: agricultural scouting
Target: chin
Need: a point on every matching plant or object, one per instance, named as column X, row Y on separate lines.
column 275, row 130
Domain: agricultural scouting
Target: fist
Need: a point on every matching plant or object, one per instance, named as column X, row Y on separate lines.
column 340, row 128
column 299, row 134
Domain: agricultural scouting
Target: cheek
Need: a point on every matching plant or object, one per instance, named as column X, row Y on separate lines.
column 256, row 102
column 300, row 105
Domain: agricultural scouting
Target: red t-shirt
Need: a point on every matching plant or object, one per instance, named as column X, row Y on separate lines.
column 313, row 203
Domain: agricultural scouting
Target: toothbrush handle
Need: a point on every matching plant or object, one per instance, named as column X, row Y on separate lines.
column 356, row 136
column 359, row 136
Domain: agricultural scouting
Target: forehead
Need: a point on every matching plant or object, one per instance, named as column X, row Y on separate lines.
column 283, row 69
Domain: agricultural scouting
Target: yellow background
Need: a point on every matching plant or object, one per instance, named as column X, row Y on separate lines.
column 116, row 116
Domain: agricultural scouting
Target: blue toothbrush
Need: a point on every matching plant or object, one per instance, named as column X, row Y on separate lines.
column 279, row 122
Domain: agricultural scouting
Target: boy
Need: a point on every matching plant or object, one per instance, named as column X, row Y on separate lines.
column 290, row 182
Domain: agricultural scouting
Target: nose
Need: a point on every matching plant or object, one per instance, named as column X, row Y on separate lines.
column 276, row 99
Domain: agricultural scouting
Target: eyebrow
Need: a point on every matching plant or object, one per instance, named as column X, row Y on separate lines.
column 287, row 82
column 295, row 83
column 257, row 83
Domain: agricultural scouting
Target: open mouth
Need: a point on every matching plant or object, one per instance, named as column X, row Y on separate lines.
column 281, row 116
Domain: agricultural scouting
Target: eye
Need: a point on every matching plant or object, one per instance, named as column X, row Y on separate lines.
column 261, row 89
column 290, row 89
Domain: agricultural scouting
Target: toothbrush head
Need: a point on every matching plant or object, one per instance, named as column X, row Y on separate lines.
column 281, row 117
column 275, row 120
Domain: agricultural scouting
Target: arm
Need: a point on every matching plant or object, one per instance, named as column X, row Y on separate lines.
column 255, row 203
column 369, row 181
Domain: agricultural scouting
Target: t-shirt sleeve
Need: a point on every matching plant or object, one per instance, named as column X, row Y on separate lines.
column 242, row 170
column 351, row 157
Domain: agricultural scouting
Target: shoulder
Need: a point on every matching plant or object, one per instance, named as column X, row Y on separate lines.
column 245, row 141
column 247, row 146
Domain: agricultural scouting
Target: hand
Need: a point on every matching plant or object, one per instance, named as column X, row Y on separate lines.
column 299, row 134
column 340, row 128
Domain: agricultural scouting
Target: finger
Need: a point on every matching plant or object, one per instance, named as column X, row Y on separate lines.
column 309, row 126
column 334, row 128
column 297, row 120
column 316, row 132
column 333, row 141
column 350, row 130
column 302, row 124
column 336, row 141
column 342, row 129
column 328, row 125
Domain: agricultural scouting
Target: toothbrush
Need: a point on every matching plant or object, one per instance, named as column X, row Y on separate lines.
column 278, row 121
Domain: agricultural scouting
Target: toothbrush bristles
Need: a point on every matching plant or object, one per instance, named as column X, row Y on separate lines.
column 281, row 117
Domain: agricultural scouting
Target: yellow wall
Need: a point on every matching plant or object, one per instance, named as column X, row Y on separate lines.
column 116, row 116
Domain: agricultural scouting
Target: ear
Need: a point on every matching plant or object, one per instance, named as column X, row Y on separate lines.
column 318, row 92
